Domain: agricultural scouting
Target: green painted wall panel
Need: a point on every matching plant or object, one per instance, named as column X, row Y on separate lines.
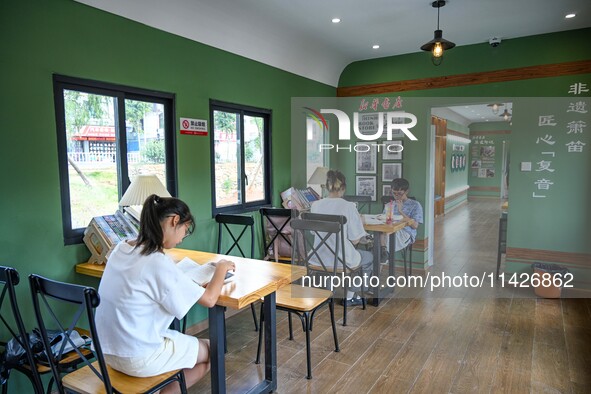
column 42, row 37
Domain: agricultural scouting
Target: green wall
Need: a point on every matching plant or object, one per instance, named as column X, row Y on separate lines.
column 43, row 37
column 529, row 51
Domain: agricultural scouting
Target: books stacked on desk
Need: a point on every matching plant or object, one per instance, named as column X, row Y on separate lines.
column 300, row 199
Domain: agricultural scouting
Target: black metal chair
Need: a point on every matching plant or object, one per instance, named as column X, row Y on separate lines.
column 315, row 232
column 50, row 296
column 304, row 302
column 9, row 278
column 277, row 233
column 235, row 227
column 406, row 252
column 361, row 201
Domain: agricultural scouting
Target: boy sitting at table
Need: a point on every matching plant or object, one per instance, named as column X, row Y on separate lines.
column 411, row 212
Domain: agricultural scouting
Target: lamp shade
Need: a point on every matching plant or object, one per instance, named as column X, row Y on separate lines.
column 141, row 187
column 319, row 176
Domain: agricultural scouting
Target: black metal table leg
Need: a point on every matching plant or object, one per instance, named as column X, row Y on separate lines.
column 377, row 256
column 270, row 342
column 216, row 339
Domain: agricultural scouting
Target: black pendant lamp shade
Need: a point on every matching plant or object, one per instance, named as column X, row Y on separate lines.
column 438, row 44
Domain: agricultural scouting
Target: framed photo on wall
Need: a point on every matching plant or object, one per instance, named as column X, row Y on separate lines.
column 392, row 150
column 369, row 124
column 366, row 162
column 366, row 186
column 391, row 171
column 386, row 190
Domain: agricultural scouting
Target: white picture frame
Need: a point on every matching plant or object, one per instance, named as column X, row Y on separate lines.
column 391, row 171
column 366, row 186
column 366, row 162
column 389, row 146
column 386, row 190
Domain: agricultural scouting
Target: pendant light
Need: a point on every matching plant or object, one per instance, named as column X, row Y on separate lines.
column 506, row 115
column 495, row 107
column 438, row 44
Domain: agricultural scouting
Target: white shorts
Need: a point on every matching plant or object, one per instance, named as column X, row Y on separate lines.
column 402, row 240
column 178, row 352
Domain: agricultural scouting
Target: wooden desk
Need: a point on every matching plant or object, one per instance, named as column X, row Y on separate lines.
column 253, row 279
column 378, row 231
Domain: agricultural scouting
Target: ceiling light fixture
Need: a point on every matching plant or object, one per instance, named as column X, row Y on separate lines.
column 568, row 16
column 335, row 20
column 495, row 107
column 506, row 115
column 438, row 44
column 376, row 46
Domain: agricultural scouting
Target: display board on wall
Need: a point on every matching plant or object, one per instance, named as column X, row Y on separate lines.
column 482, row 157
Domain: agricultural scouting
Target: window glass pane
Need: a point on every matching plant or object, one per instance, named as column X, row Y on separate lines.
column 314, row 158
column 254, row 157
column 91, row 149
column 227, row 158
column 145, row 139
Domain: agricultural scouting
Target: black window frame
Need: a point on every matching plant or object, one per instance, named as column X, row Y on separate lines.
column 242, row 110
column 121, row 93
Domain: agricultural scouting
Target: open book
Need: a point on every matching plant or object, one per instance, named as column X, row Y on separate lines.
column 200, row 273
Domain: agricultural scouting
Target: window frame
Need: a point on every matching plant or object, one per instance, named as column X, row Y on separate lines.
column 241, row 111
column 120, row 93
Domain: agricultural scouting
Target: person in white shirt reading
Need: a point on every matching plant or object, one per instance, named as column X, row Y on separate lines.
column 142, row 291
column 334, row 204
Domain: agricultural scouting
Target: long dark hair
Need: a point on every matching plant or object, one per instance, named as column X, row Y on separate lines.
column 155, row 210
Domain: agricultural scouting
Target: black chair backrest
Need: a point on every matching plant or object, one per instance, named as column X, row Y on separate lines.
column 315, row 232
column 275, row 225
column 362, row 201
column 9, row 278
column 234, row 224
column 50, row 296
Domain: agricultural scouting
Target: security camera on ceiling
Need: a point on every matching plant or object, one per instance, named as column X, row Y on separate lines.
column 494, row 42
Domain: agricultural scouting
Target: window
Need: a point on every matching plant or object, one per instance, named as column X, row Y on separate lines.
column 240, row 155
column 107, row 134
column 316, row 135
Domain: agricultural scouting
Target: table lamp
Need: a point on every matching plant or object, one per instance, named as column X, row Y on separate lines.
column 319, row 178
column 139, row 189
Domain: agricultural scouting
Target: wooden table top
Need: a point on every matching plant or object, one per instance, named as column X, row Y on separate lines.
column 253, row 279
column 385, row 228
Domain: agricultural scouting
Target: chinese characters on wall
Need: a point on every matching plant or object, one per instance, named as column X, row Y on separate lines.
column 571, row 129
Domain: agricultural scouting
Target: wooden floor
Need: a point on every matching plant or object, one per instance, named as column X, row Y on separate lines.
column 452, row 340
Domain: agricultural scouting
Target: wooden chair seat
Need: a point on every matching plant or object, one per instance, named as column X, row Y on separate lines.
column 301, row 298
column 330, row 271
column 85, row 381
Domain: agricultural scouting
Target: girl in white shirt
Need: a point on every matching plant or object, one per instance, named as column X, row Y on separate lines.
column 334, row 204
column 142, row 291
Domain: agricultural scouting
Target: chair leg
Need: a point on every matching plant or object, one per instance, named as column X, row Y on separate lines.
column 260, row 344
column 334, row 325
column 290, row 326
column 410, row 259
column 308, row 353
column 254, row 317
column 345, row 307
column 363, row 301
column 403, row 251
